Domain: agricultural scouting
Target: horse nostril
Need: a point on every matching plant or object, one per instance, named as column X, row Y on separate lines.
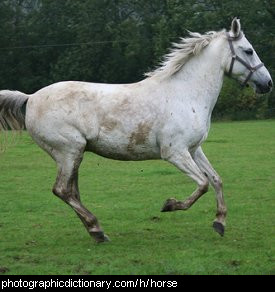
column 270, row 84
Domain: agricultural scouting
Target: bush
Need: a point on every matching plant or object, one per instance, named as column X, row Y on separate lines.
column 237, row 103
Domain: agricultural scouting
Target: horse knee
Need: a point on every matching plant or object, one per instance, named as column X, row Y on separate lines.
column 57, row 192
column 204, row 186
column 60, row 192
column 217, row 182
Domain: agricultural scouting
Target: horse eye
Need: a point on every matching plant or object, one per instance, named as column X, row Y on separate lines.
column 249, row 52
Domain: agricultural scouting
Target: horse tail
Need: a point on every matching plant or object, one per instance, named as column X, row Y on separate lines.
column 12, row 110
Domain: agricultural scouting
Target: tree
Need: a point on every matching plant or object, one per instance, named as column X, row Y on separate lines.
column 115, row 41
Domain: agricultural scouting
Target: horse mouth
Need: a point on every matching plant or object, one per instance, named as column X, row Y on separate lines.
column 263, row 88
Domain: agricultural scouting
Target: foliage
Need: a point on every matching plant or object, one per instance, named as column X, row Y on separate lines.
column 237, row 103
column 116, row 41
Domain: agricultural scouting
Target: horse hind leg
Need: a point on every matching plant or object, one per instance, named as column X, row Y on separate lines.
column 74, row 192
column 66, row 188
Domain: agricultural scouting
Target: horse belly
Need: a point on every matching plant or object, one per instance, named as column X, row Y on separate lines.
column 119, row 146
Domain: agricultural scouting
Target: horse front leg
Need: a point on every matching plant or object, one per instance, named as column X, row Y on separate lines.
column 186, row 164
column 215, row 180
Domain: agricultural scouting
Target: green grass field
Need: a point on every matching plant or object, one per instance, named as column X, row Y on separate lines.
column 39, row 234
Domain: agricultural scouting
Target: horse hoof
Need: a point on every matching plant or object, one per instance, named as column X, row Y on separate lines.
column 106, row 238
column 100, row 237
column 219, row 227
column 169, row 206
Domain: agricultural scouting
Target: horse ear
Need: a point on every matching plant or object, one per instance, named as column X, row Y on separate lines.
column 236, row 27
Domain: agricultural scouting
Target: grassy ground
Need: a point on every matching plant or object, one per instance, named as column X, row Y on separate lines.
column 39, row 234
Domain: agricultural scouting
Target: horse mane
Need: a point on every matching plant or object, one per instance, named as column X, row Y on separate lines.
column 182, row 52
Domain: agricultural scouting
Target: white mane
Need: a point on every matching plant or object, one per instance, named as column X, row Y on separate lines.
column 182, row 52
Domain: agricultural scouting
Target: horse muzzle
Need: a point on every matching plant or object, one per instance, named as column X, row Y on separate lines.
column 263, row 87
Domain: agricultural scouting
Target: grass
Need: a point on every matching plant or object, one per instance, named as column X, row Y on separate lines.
column 39, row 234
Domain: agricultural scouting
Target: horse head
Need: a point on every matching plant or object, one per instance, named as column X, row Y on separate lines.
column 243, row 62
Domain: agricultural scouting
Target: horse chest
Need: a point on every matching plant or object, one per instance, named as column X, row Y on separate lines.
column 188, row 128
column 198, row 131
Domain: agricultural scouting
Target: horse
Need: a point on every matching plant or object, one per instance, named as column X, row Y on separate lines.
column 167, row 116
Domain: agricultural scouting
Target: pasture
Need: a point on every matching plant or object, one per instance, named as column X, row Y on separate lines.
column 39, row 234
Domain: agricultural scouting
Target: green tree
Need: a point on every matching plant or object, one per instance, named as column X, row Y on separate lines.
column 46, row 41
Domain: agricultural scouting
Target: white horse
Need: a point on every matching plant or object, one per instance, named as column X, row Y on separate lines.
column 166, row 116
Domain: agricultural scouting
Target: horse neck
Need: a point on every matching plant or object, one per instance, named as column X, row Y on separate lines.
column 201, row 78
